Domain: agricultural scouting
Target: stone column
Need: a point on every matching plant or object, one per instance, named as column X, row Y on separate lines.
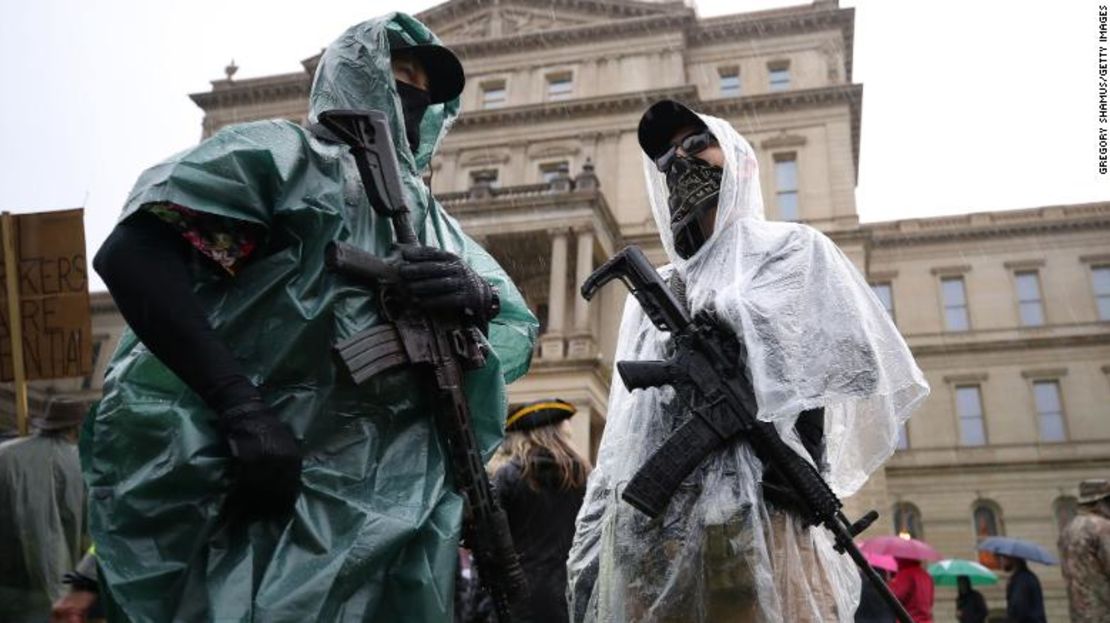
column 551, row 344
column 581, row 339
column 580, row 428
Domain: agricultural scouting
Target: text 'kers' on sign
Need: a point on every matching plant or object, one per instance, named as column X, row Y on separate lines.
column 53, row 297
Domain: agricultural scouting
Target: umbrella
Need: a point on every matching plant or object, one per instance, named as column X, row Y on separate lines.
column 1017, row 548
column 881, row 561
column 899, row 547
column 946, row 571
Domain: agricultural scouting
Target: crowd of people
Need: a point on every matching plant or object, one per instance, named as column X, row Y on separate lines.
column 237, row 474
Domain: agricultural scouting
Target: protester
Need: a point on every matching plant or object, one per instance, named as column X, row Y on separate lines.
column 872, row 608
column 1024, row 601
column 730, row 545
column 913, row 586
column 472, row 603
column 541, row 488
column 970, row 605
column 1085, row 554
column 238, row 472
column 42, row 510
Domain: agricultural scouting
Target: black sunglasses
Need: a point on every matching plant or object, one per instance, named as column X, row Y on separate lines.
column 693, row 145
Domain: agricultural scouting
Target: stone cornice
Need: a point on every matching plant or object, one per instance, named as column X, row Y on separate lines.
column 564, row 36
column 549, row 111
column 957, row 460
column 774, row 22
column 101, row 301
column 852, row 95
column 1009, row 223
column 1086, row 335
column 226, row 93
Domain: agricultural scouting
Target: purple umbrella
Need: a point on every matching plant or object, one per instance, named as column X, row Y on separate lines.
column 1017, row 548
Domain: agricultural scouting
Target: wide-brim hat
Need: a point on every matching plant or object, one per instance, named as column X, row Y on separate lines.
column 1091, row 491
column 446, row 78
column 539, row 413
column 659, row 123
column 61, row 413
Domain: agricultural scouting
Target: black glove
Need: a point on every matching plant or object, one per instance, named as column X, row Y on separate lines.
column 441, row 282
column 267, row 462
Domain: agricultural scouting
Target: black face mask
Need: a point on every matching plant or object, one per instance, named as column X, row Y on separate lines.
column 414, row 103
column 695, row 189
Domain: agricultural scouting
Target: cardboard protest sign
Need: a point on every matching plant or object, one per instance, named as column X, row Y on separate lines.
column 53, row 295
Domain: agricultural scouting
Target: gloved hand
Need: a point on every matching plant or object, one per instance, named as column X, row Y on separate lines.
column 267, row 462
column 441, row 282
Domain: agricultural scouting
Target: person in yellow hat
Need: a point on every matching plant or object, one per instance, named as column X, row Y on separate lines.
column 540, row 486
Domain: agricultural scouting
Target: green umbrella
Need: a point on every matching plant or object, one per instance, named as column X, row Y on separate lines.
column 946, row 571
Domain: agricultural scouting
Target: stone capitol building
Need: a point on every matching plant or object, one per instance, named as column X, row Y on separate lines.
column 1007, row 313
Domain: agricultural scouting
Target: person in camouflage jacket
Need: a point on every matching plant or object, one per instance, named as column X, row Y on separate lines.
column 1085, row 554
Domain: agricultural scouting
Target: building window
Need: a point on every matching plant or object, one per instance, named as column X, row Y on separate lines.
column 493, row 94
column 1050, row 410
column 986, row 517
column 786, row 186
column 560, row 86
column 903, row 437
column 550, row 170
column 1101, row 278
column 779, row 75
column 907, row 520
column 969, row 408
column 1064, row 509
column 730, row 81
column 955, row 304
column 885, row 294
column 484, row 176
column 1030, row 307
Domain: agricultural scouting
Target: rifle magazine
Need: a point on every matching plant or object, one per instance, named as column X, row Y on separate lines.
column 371, row 352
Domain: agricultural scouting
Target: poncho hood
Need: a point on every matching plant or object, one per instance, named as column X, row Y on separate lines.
column 355, row 73
column 816, row 335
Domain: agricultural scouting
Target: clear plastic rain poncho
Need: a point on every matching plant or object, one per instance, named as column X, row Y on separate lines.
column 374, row 533
column 42, row 512
column 816, row 337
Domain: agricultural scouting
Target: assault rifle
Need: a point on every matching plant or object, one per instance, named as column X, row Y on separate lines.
column 708, row 374
column 440, row 346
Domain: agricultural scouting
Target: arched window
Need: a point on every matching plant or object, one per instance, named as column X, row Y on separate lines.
column 1064, row 510
column 986, row 519
column 907, row 520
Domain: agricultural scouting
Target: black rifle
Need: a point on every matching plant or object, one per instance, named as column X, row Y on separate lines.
column 441, row 346
column 710, row 378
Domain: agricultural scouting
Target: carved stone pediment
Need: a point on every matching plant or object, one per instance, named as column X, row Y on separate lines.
column 468, row 20
column 509, row 20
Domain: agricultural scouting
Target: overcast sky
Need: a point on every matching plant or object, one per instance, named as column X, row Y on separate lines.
column 968, row 106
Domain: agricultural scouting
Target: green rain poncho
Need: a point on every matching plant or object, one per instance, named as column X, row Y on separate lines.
column 374, row 533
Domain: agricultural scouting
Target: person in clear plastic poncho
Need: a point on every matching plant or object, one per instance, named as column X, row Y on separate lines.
column 42, row 512
column 235, row 472
column 829, row 369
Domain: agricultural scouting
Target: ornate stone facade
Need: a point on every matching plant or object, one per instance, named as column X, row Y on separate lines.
column 548, row 176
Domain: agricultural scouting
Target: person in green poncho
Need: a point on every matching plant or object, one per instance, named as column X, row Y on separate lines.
column 235, row 473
